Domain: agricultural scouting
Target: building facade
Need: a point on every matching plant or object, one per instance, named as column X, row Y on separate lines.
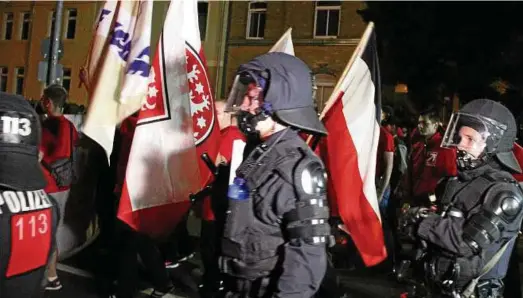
column 324, row 33
column 25, row 24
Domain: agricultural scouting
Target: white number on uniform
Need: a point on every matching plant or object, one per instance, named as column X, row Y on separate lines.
column 37, row 226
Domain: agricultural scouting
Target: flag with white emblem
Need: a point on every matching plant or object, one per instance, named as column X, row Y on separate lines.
column 117, row 68
column 177, row 123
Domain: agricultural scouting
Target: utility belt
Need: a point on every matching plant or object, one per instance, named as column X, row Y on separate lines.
column 243, row 288
column 450, row 279
column 248, row 271
column 488, row 288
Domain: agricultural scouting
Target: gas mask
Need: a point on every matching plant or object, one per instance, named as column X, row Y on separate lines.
column 246, row 100
column 466, row 161
column 475, row 138
column 247, row 121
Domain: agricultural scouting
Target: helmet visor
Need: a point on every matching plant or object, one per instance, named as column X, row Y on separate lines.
column 473, row 133
column 246, row 92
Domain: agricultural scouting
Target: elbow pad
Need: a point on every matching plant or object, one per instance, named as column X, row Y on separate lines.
column 309, row 220
column 501, row 212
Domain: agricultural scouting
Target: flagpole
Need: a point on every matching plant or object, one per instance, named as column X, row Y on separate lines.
column 55, row 44
column 356, row 54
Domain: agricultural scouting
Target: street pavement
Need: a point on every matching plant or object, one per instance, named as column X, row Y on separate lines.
column 81, row 282
column 78, row 284
column 81, row 274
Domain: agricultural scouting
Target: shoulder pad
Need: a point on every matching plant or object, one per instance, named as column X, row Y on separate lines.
column 497, row 176
column 504, row 199
column 310, row 177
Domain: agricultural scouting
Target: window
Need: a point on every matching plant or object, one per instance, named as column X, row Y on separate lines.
column 327, row 19
column 26, row 21
column 256, row 20
column 71, row 23
column 324, row 86
column 203, row 10
column 8, row 26
column 52, row 17
column 3, row 79
column 66, row 80
column 19, row 79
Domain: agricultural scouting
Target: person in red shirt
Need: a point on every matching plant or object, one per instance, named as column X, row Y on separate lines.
column 428, row 161
column 56, row 149
column 129, row 243
column 518, row 153
column 214, row 208
column 512, row 279
column 385, row 158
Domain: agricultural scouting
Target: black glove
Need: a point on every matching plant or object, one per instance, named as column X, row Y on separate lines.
column 418, row 213
column 410, row 219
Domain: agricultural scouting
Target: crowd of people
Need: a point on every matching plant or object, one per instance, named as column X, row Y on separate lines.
column 452, row 193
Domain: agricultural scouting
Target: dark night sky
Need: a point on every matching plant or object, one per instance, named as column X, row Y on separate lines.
column 461, row 46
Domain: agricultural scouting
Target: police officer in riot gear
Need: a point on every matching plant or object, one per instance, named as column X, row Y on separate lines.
column 470, row 239
column 28, row 216
column 276, row 231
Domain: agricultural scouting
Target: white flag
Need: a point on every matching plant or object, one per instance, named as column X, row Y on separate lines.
column 118, row 67
column 284, row 44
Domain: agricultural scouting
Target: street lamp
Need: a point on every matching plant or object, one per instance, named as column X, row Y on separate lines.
column 401, row 88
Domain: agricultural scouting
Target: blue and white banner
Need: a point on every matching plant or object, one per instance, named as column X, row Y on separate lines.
column 117, row 68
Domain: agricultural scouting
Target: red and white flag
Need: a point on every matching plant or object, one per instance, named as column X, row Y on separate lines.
column 352, row 117
column 177, row 123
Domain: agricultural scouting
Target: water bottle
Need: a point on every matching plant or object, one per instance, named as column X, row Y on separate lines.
column 238, row 189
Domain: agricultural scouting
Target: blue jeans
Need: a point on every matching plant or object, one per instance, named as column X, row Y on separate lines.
column 385, row 201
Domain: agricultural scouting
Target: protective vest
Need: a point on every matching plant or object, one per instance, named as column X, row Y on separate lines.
column 254, row 234
column 458, row 198
column 28, row 221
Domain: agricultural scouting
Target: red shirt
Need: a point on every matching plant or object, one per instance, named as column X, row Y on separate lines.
column 56, row 144
column 429, row 163
column 228, row 136
column 126, row 139
column 518, row 153
column 385, row 144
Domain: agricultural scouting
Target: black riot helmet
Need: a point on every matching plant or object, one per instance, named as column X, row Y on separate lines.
column 287, row 91
column 494, row 124
column 20, row 133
